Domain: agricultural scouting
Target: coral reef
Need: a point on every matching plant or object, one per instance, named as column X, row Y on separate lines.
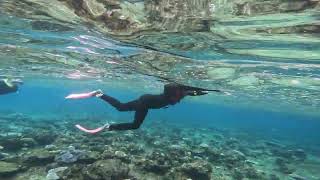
column 149, row 153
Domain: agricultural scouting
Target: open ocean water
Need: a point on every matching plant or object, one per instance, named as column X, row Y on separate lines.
column 265, row 54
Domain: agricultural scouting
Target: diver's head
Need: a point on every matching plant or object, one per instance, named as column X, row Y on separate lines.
column 174, row 94
column 174, row 99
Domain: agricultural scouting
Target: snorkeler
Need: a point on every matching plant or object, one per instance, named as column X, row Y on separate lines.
column 172, row 94
column 9, row 85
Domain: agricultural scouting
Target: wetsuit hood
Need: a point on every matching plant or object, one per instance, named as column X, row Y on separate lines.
column 170, row 90
column 173, row 92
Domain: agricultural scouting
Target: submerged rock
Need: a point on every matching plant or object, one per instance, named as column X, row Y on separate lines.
column 199, row 170
column 221, row 73
column 11, row 143
column 107, row 169
column 253, row 173
column 122, row 156
column 89, row 157
column 15, row 143
column 113, row 4
column 49, row 26
column 93, row 7
column 52, row 173
column 157, row 162
column 312, row 28
column 297, row 177
column 214, row 155
column 28, row 142
column 249, row 80
column 73, row 172
column 299, row 154
column 115, row 21
column 39, row 157
column 204, row 145
column 3, row 155
column 69, row 156
column 111, row 154
column 8, row 169
column 179, row 15
column 45, row 137
column 249, row 7
column 274, row 177
column 290, row 155
column 294, row 6
column 274, row 144
column 72, row 155
column 232, row 159
column 50, row 147
column 66, row 157
column 284, row 166
column 157, row 167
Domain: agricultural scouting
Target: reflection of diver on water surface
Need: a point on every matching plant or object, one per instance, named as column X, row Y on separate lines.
column 9, row 85
column 172, row 94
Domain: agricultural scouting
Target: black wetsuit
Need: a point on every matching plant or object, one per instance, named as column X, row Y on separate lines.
column 5, row 88
column 148, row 101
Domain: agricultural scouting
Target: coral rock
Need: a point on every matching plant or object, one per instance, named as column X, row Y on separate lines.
column 107, row 169
column 8, row 169
column 200, row 170
column 39, row 157
column 45, row 137
column 52, row 173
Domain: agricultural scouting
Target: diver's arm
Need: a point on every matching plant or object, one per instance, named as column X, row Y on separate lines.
column 201, row 93
column 190, row 88
column 195, row 93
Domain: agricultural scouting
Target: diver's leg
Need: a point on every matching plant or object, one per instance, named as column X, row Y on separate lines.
column 138, row 119
column 130, row 106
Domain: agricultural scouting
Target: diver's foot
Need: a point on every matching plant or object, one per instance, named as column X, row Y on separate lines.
column 107, row 127
column 97, row 93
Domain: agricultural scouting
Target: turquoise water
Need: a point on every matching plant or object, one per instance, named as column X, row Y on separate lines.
column 266, row 128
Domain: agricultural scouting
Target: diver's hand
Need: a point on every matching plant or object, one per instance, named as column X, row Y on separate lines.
column 197, row 93
column 201, row 93
column 107, row 127
column 97, row 93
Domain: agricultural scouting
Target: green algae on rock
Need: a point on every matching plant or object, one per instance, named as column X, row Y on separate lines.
column 52, row 173
column 251, row 7
column 40, row 10
column 197, row 170
column 221, row 73
column 107, row 169
column 8, row 169
column 38, row 157
column 16, row 142
column 247, row 81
